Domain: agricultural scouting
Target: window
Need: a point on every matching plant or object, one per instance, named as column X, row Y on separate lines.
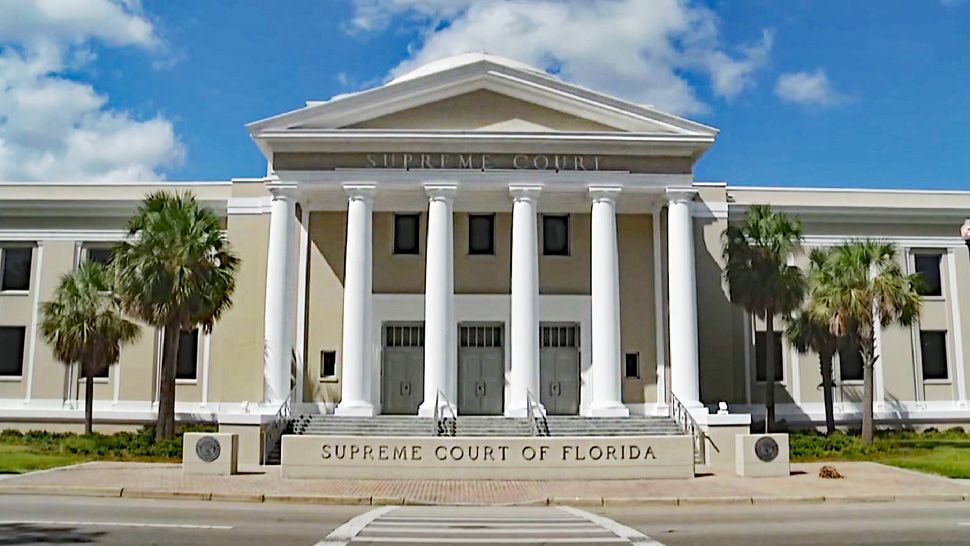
column 101, row 255
column 328, row 364
column 15, row 264
column 928, row 266
column 933, row 353
column 761, row 355
column 12, row 350
column 407, row 234
column 555, row 235
column 187, row 365
column 481, row 234
column 850, row 362
column 633, row 365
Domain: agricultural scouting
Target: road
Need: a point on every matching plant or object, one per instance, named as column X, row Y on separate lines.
column 84, row 520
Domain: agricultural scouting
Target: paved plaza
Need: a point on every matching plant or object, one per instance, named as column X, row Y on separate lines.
column 863, row 481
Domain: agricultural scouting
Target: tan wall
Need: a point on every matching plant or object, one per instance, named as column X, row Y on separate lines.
column 327, row 233
column 568, row 274
column 475, row 274
column 397, row 273
column 236, row 368
column 637, row 305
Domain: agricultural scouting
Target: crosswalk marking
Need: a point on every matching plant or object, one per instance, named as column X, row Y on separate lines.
column 481, row 525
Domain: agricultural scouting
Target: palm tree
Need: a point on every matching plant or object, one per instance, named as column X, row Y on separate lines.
column 176, row 271
column 84, row 324
column 806, row 333
column 760, row 279
column 866, row 289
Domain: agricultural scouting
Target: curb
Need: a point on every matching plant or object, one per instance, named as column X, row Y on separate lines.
column 659, row 502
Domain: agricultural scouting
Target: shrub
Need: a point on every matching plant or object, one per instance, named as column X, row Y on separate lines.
column 121, row 445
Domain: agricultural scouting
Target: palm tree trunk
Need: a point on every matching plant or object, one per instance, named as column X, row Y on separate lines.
column 769, row 372
column 826, row 364
column 165, row 427
column 869, row 360
column 88, row 369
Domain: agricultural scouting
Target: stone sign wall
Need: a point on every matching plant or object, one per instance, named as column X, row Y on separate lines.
column 488, row 458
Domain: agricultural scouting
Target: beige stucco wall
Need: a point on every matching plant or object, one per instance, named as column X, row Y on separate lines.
column 637, row 304
column 236, row 367
column 324, row 312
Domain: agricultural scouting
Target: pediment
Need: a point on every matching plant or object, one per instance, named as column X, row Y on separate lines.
column 483, row 110
column 482, row 96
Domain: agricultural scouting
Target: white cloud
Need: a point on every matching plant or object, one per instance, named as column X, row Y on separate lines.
column 642, row 50
column 53, row 126
column 808, row 88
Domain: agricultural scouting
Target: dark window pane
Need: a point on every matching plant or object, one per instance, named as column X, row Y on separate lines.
column 761, row 356
column 933, row 351
column 555, row 235
column 850, row 362
column 481, row 234
column 16, row 268
column 12, row 350
column 99, row 255
column 633, row 365
column 406, row 234
column 188, row 355
column 328, row 363
column 928, row 266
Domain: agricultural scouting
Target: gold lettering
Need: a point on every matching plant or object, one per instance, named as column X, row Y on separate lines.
column 444, row 161
column 441, row 453
column 515, row 161
column 425, row 161
column 407, row 160
column 400, row 454
column 611, row 452
column 488, row 454
column 340, row 451
column 325, row 452
column 542, row 452
column 484, row 161
column 540, row 160
column 650, row 453
column 504, row 450
column 528, row 453
column 371, row 161
column 596, row 162
column 382, row 453
column 354, row 450
column 368, row 452
column 578, row 163
column 415, row 453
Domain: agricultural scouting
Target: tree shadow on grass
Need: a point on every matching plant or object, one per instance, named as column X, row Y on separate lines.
column 33, row 533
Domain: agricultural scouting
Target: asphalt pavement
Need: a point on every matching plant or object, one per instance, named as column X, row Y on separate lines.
column 27, row 519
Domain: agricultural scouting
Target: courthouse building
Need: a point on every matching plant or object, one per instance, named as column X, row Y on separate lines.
column 474, row 234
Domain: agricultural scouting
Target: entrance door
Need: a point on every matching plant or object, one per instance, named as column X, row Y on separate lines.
column 481, row 370
column 559, row 369
column 402, row 369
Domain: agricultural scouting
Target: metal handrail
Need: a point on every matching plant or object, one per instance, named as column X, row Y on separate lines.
column 687, row 423
column 274, row 432
column 536, row 415
column 440, row 420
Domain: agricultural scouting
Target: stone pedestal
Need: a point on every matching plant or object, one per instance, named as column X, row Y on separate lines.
column 721, row 430
column 210, row 453
column 762, row 455
column 250, row 442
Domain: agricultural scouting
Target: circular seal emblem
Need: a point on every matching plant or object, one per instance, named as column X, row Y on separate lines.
column 766, row 449
column 208, row 449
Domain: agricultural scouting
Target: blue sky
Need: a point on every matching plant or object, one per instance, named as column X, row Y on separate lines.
column 829, row 93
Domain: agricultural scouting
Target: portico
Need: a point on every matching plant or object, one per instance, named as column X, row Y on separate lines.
column 558, row 304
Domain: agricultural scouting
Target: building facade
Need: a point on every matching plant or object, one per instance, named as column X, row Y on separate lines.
column 469, row 236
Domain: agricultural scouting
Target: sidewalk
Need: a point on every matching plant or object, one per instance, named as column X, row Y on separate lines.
column 864, row 482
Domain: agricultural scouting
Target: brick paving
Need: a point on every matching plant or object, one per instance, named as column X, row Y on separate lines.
column 862, row 480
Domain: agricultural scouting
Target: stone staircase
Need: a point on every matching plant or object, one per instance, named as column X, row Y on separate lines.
column 480, row 426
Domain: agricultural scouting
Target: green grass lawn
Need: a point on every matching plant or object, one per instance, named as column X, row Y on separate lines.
column 17, row 459
column 946, row 453
column 952, row 461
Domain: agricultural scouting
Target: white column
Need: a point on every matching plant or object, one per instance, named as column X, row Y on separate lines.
column 605, row 301
column 524, row 320
column 682, row 291
column 355, row 369
column 278, row 327
column 440, row 338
